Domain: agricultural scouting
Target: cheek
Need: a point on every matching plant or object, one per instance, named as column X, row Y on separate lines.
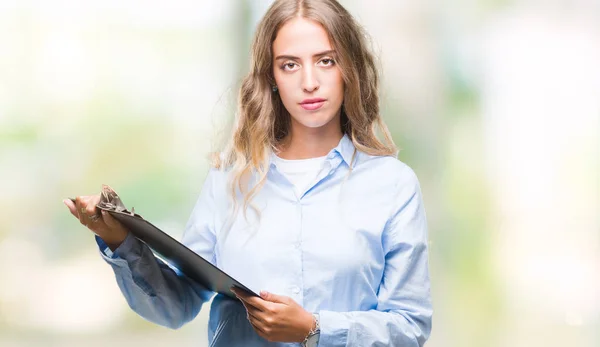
column 286, row 88
column 337, row 88
column 285, row 93
column 336, row 82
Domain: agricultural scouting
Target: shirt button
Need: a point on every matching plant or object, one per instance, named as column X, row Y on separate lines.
column 295, row 290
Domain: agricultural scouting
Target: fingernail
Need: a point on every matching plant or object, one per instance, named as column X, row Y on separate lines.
column 65, row 202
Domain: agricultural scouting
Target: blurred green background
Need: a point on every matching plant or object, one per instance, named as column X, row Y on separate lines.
column 495, row 104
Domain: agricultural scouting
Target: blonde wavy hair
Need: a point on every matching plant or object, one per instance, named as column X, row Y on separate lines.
column 263, row 122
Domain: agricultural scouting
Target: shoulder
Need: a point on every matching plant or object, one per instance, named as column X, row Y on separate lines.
column 216, row 178
column 388, row 169
column 218, row 169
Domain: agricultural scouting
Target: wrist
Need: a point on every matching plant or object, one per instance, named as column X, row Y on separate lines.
column 113, row 246
column 306, row 326
column 312, row 338
column 114, row 242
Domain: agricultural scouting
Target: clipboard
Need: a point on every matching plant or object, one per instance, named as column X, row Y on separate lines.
column 167, row 248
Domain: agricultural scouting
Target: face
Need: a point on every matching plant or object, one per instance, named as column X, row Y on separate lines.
column 308, row 78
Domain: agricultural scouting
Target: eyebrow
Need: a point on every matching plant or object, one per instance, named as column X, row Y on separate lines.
column 291, row 57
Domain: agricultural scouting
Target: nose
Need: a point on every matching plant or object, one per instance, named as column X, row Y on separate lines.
column 310, row 82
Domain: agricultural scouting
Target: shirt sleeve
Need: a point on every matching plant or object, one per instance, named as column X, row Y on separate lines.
column 153, row 289
column 404, row 313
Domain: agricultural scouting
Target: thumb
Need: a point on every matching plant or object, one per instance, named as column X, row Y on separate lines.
column 109, row 220
column 267, row 296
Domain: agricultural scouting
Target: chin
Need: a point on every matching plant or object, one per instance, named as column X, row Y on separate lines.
column 314, row 123
column 313, row 120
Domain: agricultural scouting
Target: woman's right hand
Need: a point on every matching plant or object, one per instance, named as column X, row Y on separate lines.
column 102, row 224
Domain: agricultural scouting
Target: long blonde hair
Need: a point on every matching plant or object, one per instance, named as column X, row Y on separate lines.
column 262, row 120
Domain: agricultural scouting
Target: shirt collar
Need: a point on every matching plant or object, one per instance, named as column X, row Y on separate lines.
column 345, row 149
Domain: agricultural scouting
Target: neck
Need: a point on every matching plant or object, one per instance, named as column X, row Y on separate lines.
column 305, row 143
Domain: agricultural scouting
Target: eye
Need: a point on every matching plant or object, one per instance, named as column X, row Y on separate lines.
column 289, row 66
column 327, row 62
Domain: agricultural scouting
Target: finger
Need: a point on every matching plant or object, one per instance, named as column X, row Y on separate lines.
column 244, row 301
column 251, row 300
column 87, row 213
column 248, row 302
column 258, row 325
column 259, row 303
column 71, row 206
column 255, row 319
column 260, row 331
column 92, row 214
column 98, row 225
column 249, row 310
column 80, row 203
column 110, row 221
column 90, row 208
column 280, row 299
column 261, row 318
column 253, row 311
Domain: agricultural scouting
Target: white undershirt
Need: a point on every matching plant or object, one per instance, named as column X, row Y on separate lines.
column 300, row 172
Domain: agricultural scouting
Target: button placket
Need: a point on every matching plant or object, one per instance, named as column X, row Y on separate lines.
column 296, row 288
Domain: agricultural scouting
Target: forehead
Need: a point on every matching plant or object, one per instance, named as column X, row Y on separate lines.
column 301, row 37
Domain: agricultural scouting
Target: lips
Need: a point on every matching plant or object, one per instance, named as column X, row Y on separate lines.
column 312, row 104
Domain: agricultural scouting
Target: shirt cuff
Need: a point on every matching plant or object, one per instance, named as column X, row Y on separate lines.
column 126, row 247
column 334, row 328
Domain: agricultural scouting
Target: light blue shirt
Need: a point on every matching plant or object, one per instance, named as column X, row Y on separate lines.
column 352, row 247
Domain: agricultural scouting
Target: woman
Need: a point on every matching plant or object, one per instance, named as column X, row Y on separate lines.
column 332, row 231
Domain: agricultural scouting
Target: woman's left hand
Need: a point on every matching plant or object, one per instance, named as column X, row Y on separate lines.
column 276, row 318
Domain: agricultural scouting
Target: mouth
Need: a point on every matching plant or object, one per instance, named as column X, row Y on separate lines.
column 312, row 104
